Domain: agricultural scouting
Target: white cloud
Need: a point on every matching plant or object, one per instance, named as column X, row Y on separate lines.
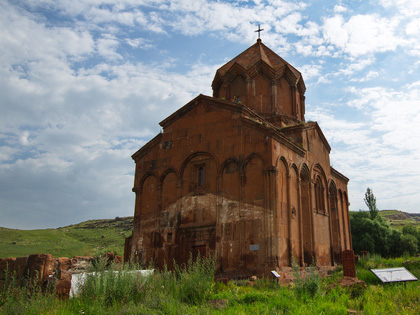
column 339, row 9
column 367, row 77
column 356, row 66
column 107, row 47
column 139, row 43
column 361, row 34
column 84, row 90
column 413, row 28
column 310, row 71
column 405, row 7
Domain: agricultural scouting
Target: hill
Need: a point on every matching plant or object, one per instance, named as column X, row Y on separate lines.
column 89, row 238
column 398, row 219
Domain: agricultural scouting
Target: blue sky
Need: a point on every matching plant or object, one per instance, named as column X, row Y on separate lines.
column 85, row 83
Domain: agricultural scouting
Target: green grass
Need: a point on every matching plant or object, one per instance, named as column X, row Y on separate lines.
column 88, row 238
column 398, row 219
column 191, row 290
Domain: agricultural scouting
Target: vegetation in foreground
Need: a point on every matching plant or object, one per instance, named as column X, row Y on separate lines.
column 89, row 238
column 191, row 290
column 373, row 233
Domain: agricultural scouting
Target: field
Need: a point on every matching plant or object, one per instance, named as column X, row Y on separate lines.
column 193, row 291
column 89, row 238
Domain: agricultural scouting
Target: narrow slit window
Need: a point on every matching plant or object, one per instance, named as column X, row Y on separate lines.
column 201, row 176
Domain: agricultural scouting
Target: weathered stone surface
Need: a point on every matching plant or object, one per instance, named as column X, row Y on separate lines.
column 7, row 266
column 20, row 264
column 44, row 270
column 349, row 264
column 118, row 259
column 241, row 175
column 63, row 264
column 39, row 267
column 63, row 284
column 80, row 264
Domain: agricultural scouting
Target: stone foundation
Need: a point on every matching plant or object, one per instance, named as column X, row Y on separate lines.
column 42, row 269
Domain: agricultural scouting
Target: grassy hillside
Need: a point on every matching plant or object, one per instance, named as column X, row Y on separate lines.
column 93, row 237
column 398, row 219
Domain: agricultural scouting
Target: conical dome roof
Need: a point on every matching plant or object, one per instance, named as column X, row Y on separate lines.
column 261, row 80
column 254, row 55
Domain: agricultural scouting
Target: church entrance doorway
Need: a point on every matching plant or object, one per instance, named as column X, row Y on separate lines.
column 199, row 250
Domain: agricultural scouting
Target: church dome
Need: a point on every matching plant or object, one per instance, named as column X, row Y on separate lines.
column 263, row 81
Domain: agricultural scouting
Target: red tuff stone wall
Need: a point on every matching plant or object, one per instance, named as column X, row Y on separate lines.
column 43, row 268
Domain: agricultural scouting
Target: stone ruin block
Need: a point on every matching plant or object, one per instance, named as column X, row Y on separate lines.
column 63, row 276
column 7, row 265
column 349, row 263
column 39, row 267
column 43, row 269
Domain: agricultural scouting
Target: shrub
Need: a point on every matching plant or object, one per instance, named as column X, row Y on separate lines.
column 108, row 285
column 309, row 284
column 195, row 280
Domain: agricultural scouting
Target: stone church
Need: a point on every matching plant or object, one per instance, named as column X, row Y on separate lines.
column 242, row 175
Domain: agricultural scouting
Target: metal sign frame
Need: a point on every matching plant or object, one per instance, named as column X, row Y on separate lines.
column 399, row 274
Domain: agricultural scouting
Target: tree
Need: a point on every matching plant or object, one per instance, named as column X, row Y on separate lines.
column 369, row 234
column 370, row 201
column 372, row 233
column 413, row 231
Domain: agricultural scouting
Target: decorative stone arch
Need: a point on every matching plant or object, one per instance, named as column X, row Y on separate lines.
column 228, row 162
column 282, row 159
column 222, row 84
column 169, row 188
column 250, row 157
column 332, row 195
column 235, row 70
column 200, row 176
column 292, row 79
column 253, row 180
column 283, row 188
column 304, row 172
column 237, row 88
column 295, row 221
column 169, row 170
column 262, row 68
column 195, row 154
column 306, row 212
column 335, row 234
column 145, row 176
column 148, row 201
column 294, row 167
column 231, row 180
column 317, row 168
column 320, row 183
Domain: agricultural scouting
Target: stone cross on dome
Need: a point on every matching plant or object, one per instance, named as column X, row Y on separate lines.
column 259, row 30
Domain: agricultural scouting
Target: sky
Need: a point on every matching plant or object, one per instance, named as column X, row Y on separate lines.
column 85, row 83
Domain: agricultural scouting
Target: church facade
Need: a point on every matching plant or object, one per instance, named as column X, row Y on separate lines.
column 241, row 175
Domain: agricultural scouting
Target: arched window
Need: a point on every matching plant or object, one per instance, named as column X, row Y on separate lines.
column 319, row 195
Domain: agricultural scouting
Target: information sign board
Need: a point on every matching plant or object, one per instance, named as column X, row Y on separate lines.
column 399, row 274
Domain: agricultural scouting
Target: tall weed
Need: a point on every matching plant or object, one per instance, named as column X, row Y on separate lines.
column 308, row 284
column 195, row 280
column 19, row 296
column 110, row 283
